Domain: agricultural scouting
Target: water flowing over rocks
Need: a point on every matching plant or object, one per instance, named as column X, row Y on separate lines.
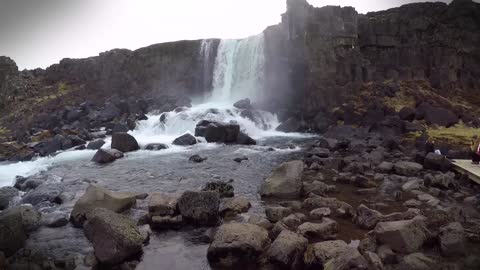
column 106, row 155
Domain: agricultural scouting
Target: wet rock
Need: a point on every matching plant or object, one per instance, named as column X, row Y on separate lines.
column 15, row 225
column 387, row 255
column 405, row 236
column 98, row 197
column 44, row 193
column 197, row 159
column 437, row 162
column 234, row 206
column 237, row 244
column 275, row 214
column 240, row 159
column 20, row 182
column 428, row 199
column 367, row 218
column 156, row 146
column 442, row 181
column 349, row 258
column 6, row 196
column 260, row 221
column 200, row 208
column 161, row 204
column 287, row 250
column 417, row 261
column 55, row 219
column 407, row 168
column 124, row 142
column 332, row 203
column 243, row 104
column 319, row 213
column 244, row 139
column 225, row 190
column 285, row 181
column 452, row 240
column 411, row 185
column 440, row 117
column 291, row 125
column 317, row 187
column 103, row 156
column 166, row 222
column 374, row 261
column 57, row 143
column 115, row 237
column 216, row 132
column 326, row 230
column 185, row 140
column 320, row 253
column 294, row 220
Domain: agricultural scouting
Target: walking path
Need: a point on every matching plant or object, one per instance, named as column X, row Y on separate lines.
column 466, row 167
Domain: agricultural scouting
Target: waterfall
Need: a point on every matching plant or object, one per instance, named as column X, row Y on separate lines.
column 206, row 53
column 239, row 69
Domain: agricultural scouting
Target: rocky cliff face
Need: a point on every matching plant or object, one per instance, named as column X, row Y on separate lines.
column 329, row 52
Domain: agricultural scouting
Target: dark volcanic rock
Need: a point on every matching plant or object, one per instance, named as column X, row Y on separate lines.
column 287, row 250
column 45, row 192
column 244, row 139
column 185, row 140
column 156, row 146
column 96, row 144
column 224, row 189
column 243, row 104
column 437, row 162
column 197, row 158
column 217, row 132
column 285, row 181
column 124, row 142
column 441, row 117
column 200, row 208
column 106, row 155
column 6, row 196
column 407, row 113
column 291, row 125
column 115, row 238
column 15, row 224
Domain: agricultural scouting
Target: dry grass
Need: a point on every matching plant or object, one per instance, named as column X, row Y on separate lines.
column 459, row 134
column 400, row 100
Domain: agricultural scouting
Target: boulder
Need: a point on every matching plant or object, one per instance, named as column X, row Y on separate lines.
column 327, row 230
column 333, row 204
column 320, row 253
column 387, row 255
column 285, row 181
column 115, row 237
column 6, row 196
column 374, row 261
column 185, row 140
column 103, row 156
column 440, row 117
column 385, row 167
column 200, row 208
column 161, row 204
column 240, row 159
column 417, row 261
column 350, row 258
column 98, row 197
column 287, row 250
column 317, row 187
column 407, row 168
column 237, row 244
column 57, row 143
column 367, row 218
column 275, row 214
column 452, row 240
column 407, row 114
column 225, row 190
column 320, row 213
column 44, row 193
column 124, row 142
column 55, row 219
column 15, row 225
column 166, row 222
column 291, row 125
column 197, row 159
column 244, row 139
column 216, row 132
column 405, row 236
column 437, row 162
column 156, row 146
column 260, row 221
column 243, row 104
column 234, row 206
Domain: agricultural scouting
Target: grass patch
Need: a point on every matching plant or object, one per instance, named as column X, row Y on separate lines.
column 399, row 101
column 459, row 134
column 3, row 132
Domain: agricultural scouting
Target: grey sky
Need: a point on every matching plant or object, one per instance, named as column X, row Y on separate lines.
column 38, row 33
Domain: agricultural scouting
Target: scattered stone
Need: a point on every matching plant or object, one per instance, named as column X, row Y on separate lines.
column 332, row 203
column 287, row 250
column 15, row 224
column 417, row 261
column 156, row 146
column 294, row 220
column 166, row 222
column 412, row 203
column 452, row 240
column 225, row 190
column 411, row 185
column 106, row 155
column 240, row 159
column 350, row 258
column 367, row 218
column 115, row 238
column 437, row 162
column 237, row 244
column 200, row 208
column 285, row 181
column 407, row 168
column 320, row 253
column 124, row 142
column 55, row 219
column 317, row 187
column 374, row 261
column 275, row 214
column 44, row 193
column 185, row 140
column 320, row 213
column 197, row 159
column 98, row 197
column 327, row 230
column 6, row 196
column 234, row 206
column 161, row 204
column 429, row 199
column 405, row 236
column 260, row 221
column 387, row 255
column 96, row 144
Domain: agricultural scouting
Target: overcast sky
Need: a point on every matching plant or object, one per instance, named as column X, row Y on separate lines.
column 38, row 33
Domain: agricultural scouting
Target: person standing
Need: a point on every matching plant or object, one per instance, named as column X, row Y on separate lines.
column 475, row 147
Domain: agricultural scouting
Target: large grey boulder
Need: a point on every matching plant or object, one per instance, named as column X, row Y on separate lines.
column 200, row 208
column 6, row 196
column 98, row 197
column 103, row 156
column 285, row 181
column 326, row 230
column 287, row 250
column 217, row 132
column 124, row 142
column 161, row 204
column 405, row 236
column 437, row 162
column 319, row 253
column 115, row 237
column 15, row 225
column 452, row 240
column 44, row 193
column 185, row 140
column 237, row 244
column 407, row 168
